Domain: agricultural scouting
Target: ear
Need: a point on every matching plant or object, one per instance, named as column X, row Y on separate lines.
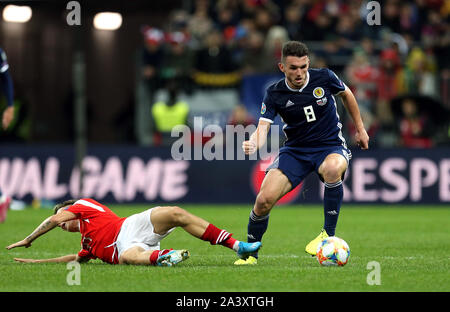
column 281, row 67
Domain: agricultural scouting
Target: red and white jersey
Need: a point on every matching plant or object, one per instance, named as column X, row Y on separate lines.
column 99, row 227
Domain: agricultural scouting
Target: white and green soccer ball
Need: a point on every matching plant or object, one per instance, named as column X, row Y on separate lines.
column 333, row 251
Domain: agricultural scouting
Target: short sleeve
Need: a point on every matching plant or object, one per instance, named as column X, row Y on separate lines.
column 336, row 84
column 76, row 209
column 268, row 112
column 85, row 208
column 83, row 253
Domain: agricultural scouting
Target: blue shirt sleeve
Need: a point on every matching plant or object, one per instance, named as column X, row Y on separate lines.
column 268, row 111
column 336, row 84
column 5, row 79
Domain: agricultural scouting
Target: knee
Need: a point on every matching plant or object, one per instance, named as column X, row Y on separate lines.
column 177, row 215
column 264, row 203
column 333, row 170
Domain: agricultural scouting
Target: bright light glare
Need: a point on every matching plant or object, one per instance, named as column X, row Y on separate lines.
column 17, row 14
column 107, row 20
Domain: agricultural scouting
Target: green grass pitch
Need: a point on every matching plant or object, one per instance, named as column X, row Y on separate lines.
column 411, row 245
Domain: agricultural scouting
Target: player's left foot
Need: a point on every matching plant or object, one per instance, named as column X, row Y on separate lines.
column 5, row 201
column 173, row 257
column 311, row 248
column 247, row 249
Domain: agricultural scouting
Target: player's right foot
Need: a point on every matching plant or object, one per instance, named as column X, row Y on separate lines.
column 5, row 201
column 173, row 257
column 249, row 261
column 247, row 249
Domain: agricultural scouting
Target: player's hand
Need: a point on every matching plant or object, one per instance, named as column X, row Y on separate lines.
column 8, row 116
column 362, row 139
column 25, row 260
column 23, row 243
column 248, row 147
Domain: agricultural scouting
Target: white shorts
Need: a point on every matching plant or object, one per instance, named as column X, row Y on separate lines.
column 137, row 230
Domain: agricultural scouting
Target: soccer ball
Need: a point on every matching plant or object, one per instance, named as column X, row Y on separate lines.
column 333, row 251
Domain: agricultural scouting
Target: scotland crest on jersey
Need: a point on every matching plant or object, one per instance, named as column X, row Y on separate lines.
column 319, row 94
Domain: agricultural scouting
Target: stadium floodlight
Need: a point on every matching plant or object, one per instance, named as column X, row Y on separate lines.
column 17, row 14
column 107, row 20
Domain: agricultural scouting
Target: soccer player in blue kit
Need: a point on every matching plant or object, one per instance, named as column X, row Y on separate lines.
column 7, row 117
column 305, row 100
column 7, row 89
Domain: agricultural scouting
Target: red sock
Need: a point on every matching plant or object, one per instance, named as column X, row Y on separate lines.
column 216, row 236
column 157, row 253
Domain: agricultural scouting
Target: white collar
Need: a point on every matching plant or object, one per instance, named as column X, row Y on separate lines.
column 301, row 89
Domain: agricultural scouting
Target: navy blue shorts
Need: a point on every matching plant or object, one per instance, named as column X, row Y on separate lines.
column 297, row 162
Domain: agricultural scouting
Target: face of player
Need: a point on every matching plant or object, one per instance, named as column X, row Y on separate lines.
column 69, row 226
column 295, row 69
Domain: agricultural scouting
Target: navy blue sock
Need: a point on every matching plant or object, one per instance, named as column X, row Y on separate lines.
column 334, row 193
column 257, row 226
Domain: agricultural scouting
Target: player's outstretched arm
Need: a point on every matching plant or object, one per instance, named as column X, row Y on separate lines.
column 62, row 259
column 47, row 225
column 257, row 139
column 350, row 103
column 67, row 258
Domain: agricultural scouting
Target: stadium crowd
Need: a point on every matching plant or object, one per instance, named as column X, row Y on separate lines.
column 399, row 70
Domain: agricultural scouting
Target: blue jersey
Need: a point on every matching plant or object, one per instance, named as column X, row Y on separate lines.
column 3, row 62
column 5, row 79
column 309, row 114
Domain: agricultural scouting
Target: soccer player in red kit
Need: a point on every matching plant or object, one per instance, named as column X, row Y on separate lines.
column 132, row 240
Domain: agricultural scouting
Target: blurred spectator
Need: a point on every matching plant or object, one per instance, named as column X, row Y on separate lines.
column 273, row 45
column 214, row 66
column 390, row 15
column 240, row 116
column 367, row 45
column 347, row 28
column 263, row 20
column 251, row 8
column 388, row 71
column 361, row 76
column 409, row 20
column 200, row 24
column 293, row 22
column 418, row 76
column 255, row 55
column 179, row 21
column 226, row 15
column 395, row 41
column 169, row 114
column 152, row 56
column 237, row 40
column 320, row 28
column 442, row 52
column 415, row 128
column 178, row 60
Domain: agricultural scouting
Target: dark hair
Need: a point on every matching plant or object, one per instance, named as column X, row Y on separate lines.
column 294, row 48
column 63, row 204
